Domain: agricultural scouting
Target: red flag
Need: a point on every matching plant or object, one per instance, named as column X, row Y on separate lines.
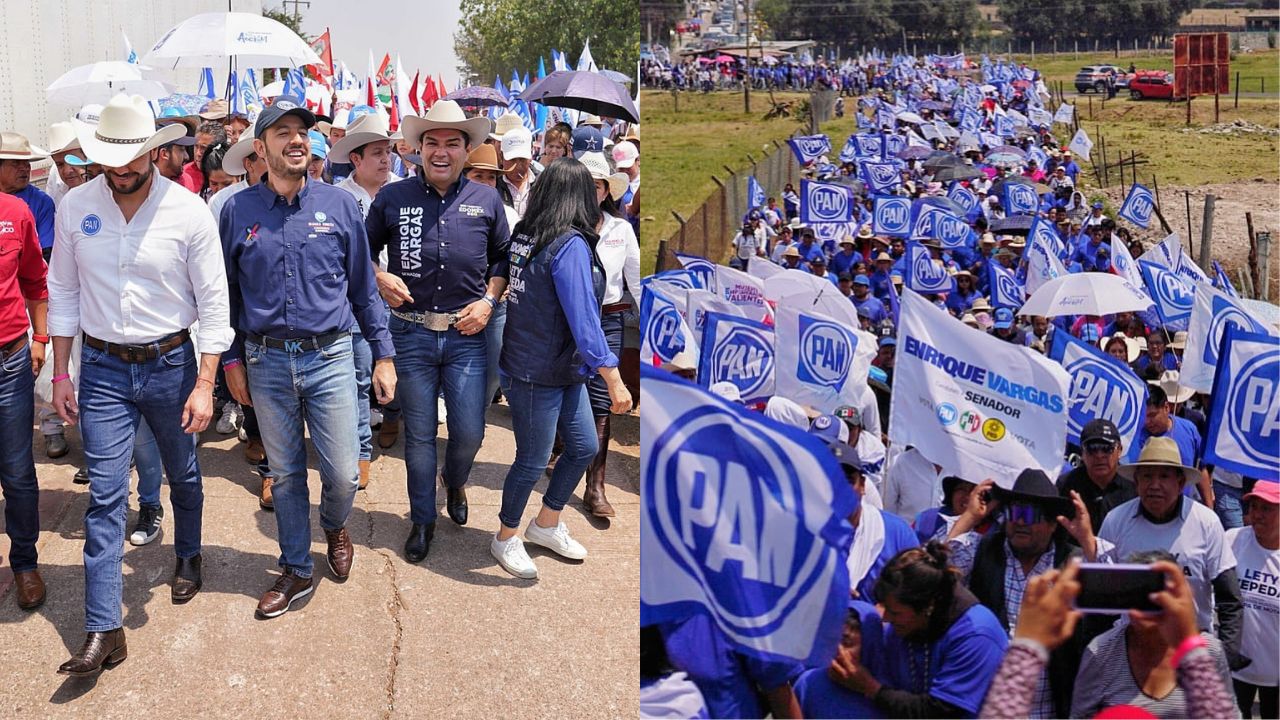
column 321, row 47
column 386, row 73
column 413, row 95
column 440, row 91
column 428, row 94
column 395, row 113
column 371, row 92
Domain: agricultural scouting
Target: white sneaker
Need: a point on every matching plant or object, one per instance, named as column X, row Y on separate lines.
column 229, row 422
column 441, row 415
column 511, row 556
column 555, row 539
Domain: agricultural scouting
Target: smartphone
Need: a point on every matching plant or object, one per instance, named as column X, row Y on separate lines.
column 1116, row 589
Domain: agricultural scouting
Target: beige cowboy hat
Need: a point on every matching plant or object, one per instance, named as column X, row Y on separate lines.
column 215, row 110
column 364, row 130
column 864, row 233
column 633, row 134
column 980, row 305
column 1176, row 392
column 62, row 138
column 505, row 124
column 1179, row 340
column 598, row 166
column 233, row 159
column 15, row 146
column 444, row 115
column 484, row 157
column 125, row 132
column 1160, row 452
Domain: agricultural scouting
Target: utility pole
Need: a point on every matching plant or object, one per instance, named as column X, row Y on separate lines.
column 295, row 3
column 746, row 69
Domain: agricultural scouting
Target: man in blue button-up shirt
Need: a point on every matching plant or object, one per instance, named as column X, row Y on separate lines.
column 447, row 241
column 300, row 277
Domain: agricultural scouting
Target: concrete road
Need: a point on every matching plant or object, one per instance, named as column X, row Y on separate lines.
column 454, row 636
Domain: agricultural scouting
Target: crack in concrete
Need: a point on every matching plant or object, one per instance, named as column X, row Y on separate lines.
column 394, row 606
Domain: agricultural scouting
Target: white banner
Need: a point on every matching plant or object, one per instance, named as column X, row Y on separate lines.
column 701, row 302
column 744, row 290
column 1211, row 312
column 972, row 403
column 821, row 362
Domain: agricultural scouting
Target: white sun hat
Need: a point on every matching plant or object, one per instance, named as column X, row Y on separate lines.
column 126, row 131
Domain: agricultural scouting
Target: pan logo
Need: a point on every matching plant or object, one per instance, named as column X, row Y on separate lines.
column 1022, row 198
column 926, row 222
column 1224, row 312
column 947, row 413
column 1173, row 293
column 869, row 144
column 1007, row 287
column 826, row 353
column 1253, row 404
column 892, row 215
column 930, row 276
column 827, row 203
column 745, row 359
column 1099, row 390
column 664, row 333
column 91, row 224
column 814, row 146
column 882, row 173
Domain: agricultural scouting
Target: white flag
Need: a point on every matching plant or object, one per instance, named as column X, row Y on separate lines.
column 1081, row 145
column 1211, row 312
column 821, row 361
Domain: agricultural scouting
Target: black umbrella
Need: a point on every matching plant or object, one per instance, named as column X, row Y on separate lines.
column 1013, row 224
column 586, row 91
column 947, row 173
column 477, row 96
column 941, row 159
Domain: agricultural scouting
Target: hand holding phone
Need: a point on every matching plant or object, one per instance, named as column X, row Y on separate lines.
column 1116, row 589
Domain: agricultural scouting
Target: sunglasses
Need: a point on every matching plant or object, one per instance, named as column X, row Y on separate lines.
column 1026, row 514
column 1099, row 448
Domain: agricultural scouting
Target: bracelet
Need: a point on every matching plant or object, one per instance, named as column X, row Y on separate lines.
column 42, row 339
column 59, row 378
column 230, row 364
column 493, row 303
column 1191, row 643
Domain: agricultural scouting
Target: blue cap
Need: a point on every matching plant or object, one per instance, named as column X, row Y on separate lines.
column 278, row 109
column 1004, row 318
column 1097, row 206
column 587, row 139
column 76, row 160
column 861, row 280
column 319, row 148
column 829, row 427
column 888, row 341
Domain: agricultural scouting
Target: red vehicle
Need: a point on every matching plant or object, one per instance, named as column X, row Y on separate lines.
column 1151, row 84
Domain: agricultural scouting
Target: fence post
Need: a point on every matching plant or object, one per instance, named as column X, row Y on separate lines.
column 1206, row 235
column 1190, row 244
column 1264, row 264
column 1237, row 89
column 1253, row 249
column 1077, row 49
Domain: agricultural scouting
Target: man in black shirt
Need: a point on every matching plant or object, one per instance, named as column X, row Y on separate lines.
column 1096, row 480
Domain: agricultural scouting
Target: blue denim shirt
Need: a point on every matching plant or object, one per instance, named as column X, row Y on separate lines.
column 444, row 247
column 300, row 269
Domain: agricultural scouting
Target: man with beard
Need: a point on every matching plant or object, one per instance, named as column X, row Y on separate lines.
column 135, row 264
column 300, row 276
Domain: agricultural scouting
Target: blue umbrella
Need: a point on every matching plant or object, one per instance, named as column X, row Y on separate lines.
column 586, row 91
column 188, row 103
column 477, row 96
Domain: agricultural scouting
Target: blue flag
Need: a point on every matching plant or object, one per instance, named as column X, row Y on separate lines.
column 1244, row 415
column 892, row 145
column 849, row 153
column 870, row 145
column 1172, row 295
column 1222, row 282
column 963, row 197
column 295, row 87
column 1004, row 126
column 738, row 351
column 1137, row 206
column 233, row 95
column 1020, row 199
column 745, row 520
column 895, row 303
column 930, row 220
column 755, row 193
column 1101, row 387
column 808, row 148
column 1006, row 291
column 880, row 177
column 664, row 334
column 686, row 278
column 206, row 84
column 923, row 274
column 891, row 216
column 826, row 202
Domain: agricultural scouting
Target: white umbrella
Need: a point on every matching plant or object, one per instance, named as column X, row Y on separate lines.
column 97, row 82
column 1088, row 293
column 909, row 117
column 789, row 282
column 253, row 40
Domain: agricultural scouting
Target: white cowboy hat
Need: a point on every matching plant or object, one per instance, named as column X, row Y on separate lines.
column 62, row 138
column 233, row 159
column 504, row 124
column 444, row 115
column 125, row 132
column 15, row 146
column 599, row 169
column 366, row 129
column 1175, row 390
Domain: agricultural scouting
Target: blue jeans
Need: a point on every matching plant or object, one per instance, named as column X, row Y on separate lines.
column 493, row 339
column 296, row 391
column 146, row 457
column 1228, row 503
column 17, row 466
column 538, row 412
column 364, row 378
column 114, row 396
column 428, row 361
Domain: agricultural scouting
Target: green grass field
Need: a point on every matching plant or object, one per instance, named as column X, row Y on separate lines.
column 1255, row 68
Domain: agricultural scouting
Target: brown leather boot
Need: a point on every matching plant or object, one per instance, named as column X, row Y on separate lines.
column 101, row 649
column 30, row 589
column 593, row 494
column 254, row 452
column 340, row 553
column 264, row 500
column 364, row 474
column 388, row 433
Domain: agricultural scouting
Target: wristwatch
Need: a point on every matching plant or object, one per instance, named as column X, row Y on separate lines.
column 493, row 303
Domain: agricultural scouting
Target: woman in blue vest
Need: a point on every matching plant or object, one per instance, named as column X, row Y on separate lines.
column 551, row 347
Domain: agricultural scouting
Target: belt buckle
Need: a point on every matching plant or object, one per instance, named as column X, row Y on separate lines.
column 134, row 353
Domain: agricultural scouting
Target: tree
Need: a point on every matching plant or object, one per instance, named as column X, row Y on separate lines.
column 498, row 36
column 847, row 22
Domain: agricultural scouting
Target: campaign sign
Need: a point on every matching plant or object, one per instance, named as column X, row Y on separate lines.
column 1244, row 418
column 744, row 519
column 1080, row 144
column 869, row 144
column 808, row 148
column 826, row 202
column 822, row 361
column 1213, row 311
column 686, row 279
column 849, row 153
column 930, row 222
column 1138, row 205
column 879, row 177
column 1020, row 199
column 891, row 216
column 963, row 197
column 703, row 269
column 1006, row 291
column 1065, row 114
column 744, row 290
column 1004, row 126
column 826, row 352
column 923, row 274
column 892, row 145
column 663, row 332
column 1173, row 297
column 834, row 232
column 700, row 302
column 1101, row 387
column 970, row 119
column 739, row 351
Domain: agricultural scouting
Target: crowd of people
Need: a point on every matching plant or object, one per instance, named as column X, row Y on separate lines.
column 288, row 275
column 962, row 591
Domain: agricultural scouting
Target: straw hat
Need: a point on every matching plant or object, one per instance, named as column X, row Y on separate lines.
column 1179, row 340
column 125, row 132
column 1176, row 392
column 444, row 115
column 599, row 168
column 484, row 157
column 504, row 124
column 362, row 131
column 15, row 146
column 233, row 159
column 1160, row 452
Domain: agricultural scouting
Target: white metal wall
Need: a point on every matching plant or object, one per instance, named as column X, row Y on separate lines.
column 41, row 39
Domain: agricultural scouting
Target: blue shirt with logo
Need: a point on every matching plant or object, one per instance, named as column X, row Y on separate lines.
column 960, row 665
column 41, row 206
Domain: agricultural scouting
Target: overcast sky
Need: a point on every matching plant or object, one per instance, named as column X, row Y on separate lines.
column 422, row 32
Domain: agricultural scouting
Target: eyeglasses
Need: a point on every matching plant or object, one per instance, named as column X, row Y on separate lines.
column 1099, row 448
column 1026, row 514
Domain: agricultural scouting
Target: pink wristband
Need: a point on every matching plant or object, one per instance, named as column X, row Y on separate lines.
column 230, row 364
column 59, row 378
column 1191, row 643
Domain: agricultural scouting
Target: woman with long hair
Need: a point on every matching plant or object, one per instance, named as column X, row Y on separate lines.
column 552, row 346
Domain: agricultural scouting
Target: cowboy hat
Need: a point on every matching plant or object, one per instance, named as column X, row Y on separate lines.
column 1033, row 487
column 980, row 304
column 1159, row 452
column 343, row 118
column 364, row 130
column 444, row 115
column 505, row 124
column 884, row 257
column 215, row 110
column 233, row 159
column 484, row 157
column 15, row 146
column 125, row 132
column 62, row 138
column 633, row 134
column 1179, row 340
column 599, row 169
column 1176, row 392
column 865, row 233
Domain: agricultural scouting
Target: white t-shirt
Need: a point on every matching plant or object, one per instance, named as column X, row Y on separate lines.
column 620, row 254
column 748, row 244
column 1259, row 571
column 1195, row 538
column 911, row 484
column 672, row 696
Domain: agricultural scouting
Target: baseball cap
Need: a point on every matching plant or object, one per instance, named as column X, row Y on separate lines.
column 1096, row 206
column 846, row 455
column 819, row 260
column 1099, row 430
column 319, row 148
column 517, row 143
column 587, row 139
column 861, row 280
column 830, row 428
column 887, row 341
column 279, row 109
column 849, row 414
column 625, row 154
column 726, row 390
column 1004, row 319
column 1265, row 490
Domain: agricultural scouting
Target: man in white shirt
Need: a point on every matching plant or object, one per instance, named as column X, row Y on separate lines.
column 911, row 484
column 136, row 262
column 749, row 243
column 240, row 160
column 517, row 152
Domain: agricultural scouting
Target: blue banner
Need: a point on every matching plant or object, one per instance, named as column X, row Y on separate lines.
column 1172, row 295
column 970, row 119
column 869, row 145
column 1138, row 205
column 687, row 278
column 891, row 216
column 1005, row 289
column 1222, row 282
column 849, row 153
column 1004, row 126
column 1101, row 387
column 739, row 351
column 1020, row 199
column 826, row 202
column 892, row 145
column 663, row 332
column 755, row 193
column 880, row 177
column 923, row 274
column 744, row 519
column 963, row 197
column 808, row 148
column 1244, row 415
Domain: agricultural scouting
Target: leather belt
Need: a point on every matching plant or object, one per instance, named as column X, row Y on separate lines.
column 615, row 308
column 438, row 322
column 139, row 353
column 314, row 342
column 12, row 347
